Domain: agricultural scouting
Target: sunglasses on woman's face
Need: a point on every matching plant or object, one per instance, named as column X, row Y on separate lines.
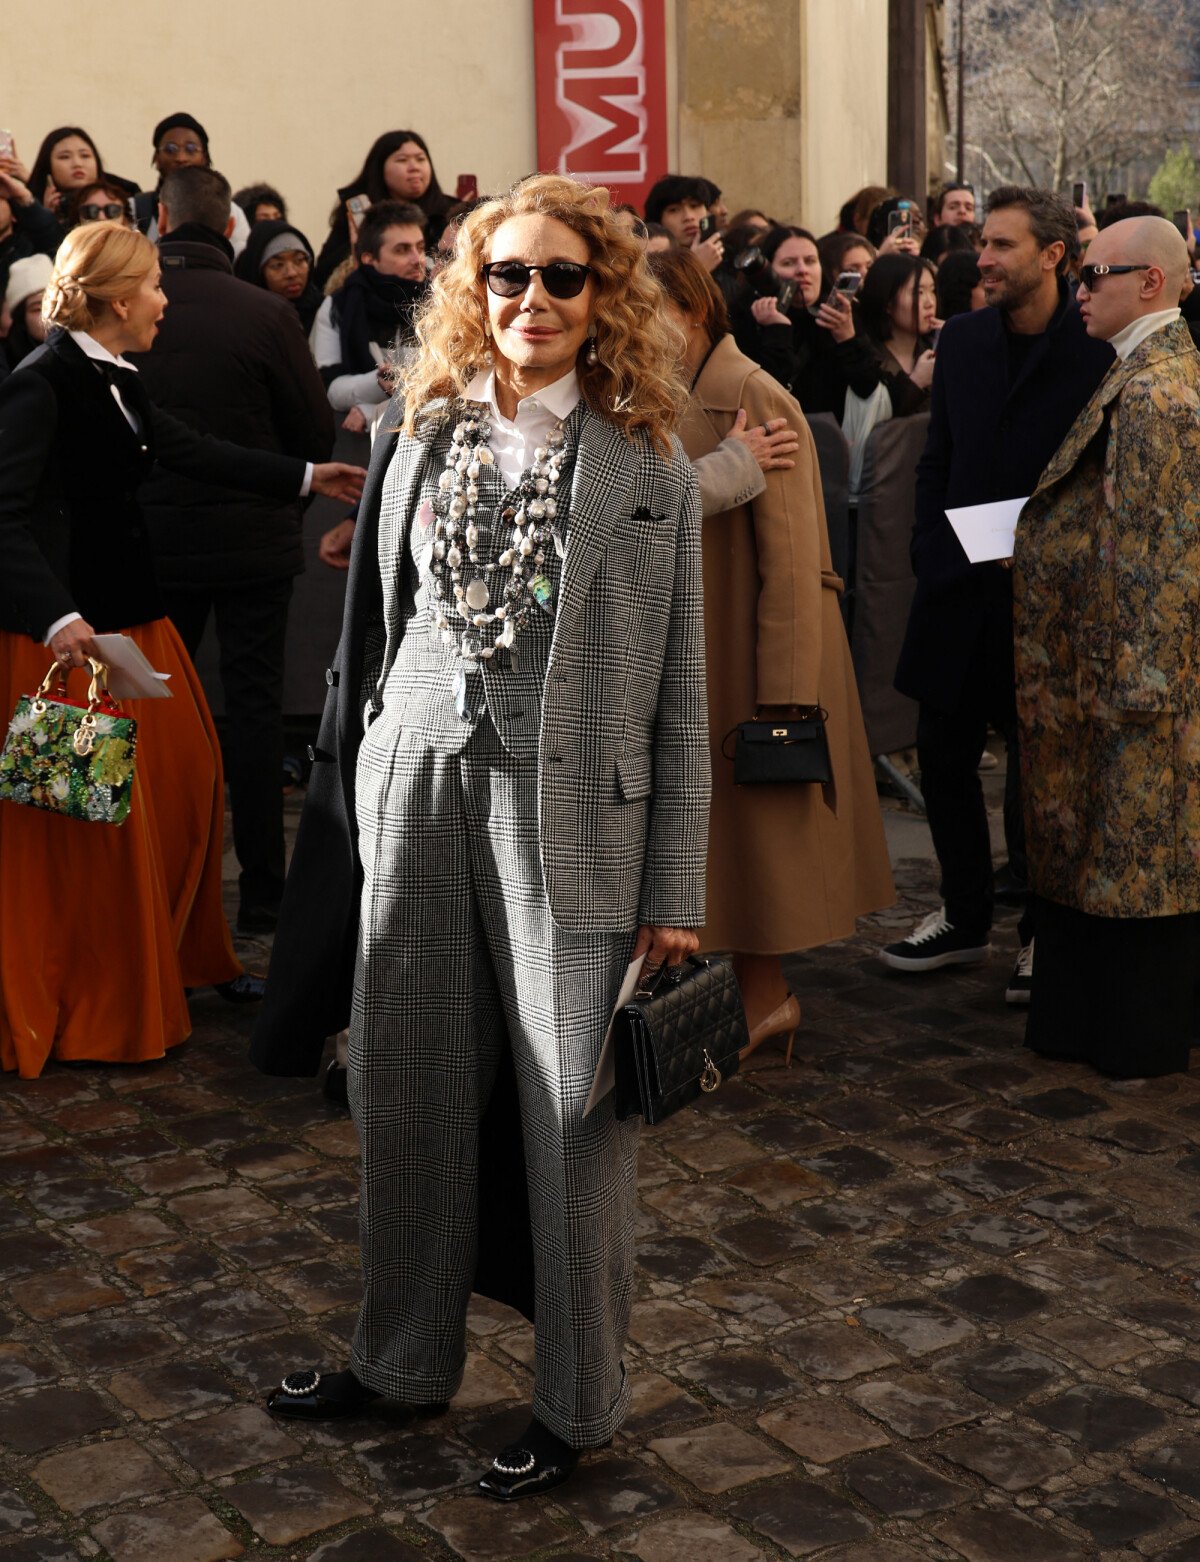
column 109, row 213
column 561, row 278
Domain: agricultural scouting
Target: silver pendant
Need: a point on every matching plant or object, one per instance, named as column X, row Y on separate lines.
column 458, row 686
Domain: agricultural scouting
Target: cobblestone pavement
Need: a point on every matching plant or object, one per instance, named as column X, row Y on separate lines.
column 920, row 1296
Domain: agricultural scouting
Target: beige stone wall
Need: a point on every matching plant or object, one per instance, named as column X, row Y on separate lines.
column 845, row 120
column 293, row 93
column 740, row 96
column 783, row 102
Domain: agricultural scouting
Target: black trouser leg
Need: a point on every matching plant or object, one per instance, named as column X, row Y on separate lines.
column 1115, row 992
column 1014, row 827
column 948, row 750
column 251, row 624
column 188, row 611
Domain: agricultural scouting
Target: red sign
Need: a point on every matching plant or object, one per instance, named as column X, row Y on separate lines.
column 602, row 92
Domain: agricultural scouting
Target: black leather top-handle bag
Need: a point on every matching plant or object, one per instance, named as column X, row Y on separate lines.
column 767, row 750
column 678, row 1038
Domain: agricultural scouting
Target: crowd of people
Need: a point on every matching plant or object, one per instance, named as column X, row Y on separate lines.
column 591, row 544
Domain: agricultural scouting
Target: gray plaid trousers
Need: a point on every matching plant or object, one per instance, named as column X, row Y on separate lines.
column 458, row 944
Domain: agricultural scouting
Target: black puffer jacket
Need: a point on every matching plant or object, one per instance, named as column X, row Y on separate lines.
column 230, row 360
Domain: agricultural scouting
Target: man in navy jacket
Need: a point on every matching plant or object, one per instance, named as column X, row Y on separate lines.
column 1010, row 381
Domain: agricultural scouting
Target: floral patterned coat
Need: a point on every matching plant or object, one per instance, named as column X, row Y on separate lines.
column 1107, row 587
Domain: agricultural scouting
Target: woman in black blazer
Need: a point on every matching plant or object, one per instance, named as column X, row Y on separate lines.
column 100, row 974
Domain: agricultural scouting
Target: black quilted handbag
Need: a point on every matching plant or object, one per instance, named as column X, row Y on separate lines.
column 678, row 1038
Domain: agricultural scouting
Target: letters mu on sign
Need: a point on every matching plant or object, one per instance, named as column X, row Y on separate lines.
column 602, row 92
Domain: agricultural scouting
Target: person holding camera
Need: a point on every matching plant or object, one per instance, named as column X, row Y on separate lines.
column 801, row 335
column 26, row 226
column 397, row 168
column 895, row 227
column 681, row 204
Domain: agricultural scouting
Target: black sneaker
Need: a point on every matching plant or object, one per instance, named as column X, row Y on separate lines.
column 1020, row 983
column 934, row 943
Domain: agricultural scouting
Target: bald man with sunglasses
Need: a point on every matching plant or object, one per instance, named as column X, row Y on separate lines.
column 1106, row 588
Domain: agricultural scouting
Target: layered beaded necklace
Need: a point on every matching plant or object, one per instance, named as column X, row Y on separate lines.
column 480, row 603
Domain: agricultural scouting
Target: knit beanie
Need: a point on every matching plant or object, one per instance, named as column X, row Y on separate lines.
column 280, row 244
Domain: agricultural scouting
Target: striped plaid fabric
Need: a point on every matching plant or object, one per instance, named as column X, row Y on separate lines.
column 507, row 863
column 623, row 777
column 458, row 946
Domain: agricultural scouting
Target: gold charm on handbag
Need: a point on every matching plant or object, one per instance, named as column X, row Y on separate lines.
column 710, row 1079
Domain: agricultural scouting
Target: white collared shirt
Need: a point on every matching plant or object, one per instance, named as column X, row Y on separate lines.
column 89, row 346
column 1135, row 333
column 514, row 441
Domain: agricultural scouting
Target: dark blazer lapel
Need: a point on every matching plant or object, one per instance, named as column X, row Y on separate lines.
column 606, row 465
column 989, row 367
column 412, row 454
column 92, row 385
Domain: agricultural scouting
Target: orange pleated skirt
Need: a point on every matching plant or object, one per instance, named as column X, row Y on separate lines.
column 102, row 926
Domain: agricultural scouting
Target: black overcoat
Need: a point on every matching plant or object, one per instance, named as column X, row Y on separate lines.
column 989, row 438
column 229, row 360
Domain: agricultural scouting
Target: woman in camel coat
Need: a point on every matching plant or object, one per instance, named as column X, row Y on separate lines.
column 790, row 866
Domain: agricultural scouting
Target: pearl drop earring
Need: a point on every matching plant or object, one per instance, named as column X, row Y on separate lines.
column 592, row 356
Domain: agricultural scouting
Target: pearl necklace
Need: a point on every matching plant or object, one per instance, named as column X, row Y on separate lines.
column 462, row 576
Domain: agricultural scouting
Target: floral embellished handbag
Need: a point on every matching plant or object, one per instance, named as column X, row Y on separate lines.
column 72, row 759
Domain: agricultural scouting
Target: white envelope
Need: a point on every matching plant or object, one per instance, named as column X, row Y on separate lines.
column 987, row 531
column 130, row 675
column 605, row 1076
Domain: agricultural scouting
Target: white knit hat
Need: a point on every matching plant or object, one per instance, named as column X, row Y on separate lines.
column 25, row 277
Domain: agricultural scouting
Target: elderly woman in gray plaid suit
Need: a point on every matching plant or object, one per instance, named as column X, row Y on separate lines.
column 524, row 633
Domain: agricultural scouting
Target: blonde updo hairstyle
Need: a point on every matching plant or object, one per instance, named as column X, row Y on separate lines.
column 635, row 382
column 95, row 263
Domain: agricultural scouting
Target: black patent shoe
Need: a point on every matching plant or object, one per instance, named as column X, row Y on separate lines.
column 245, row 988
column 302, row 1396
column 537, row 1462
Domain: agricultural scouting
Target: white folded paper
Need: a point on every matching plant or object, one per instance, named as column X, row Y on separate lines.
column 130, row 675
column 987, row 531
column 605, row 1076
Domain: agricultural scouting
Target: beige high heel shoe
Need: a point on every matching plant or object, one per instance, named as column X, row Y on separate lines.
column 783, row 1021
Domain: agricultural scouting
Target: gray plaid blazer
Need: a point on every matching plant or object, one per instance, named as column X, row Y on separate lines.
column 623, row 749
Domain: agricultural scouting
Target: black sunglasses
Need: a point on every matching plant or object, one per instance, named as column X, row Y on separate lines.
column 94, row 213
column 561, row 278
column 1088, row 274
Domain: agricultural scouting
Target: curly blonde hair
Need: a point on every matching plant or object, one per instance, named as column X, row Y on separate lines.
column 95, row 263
column 636, row 381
